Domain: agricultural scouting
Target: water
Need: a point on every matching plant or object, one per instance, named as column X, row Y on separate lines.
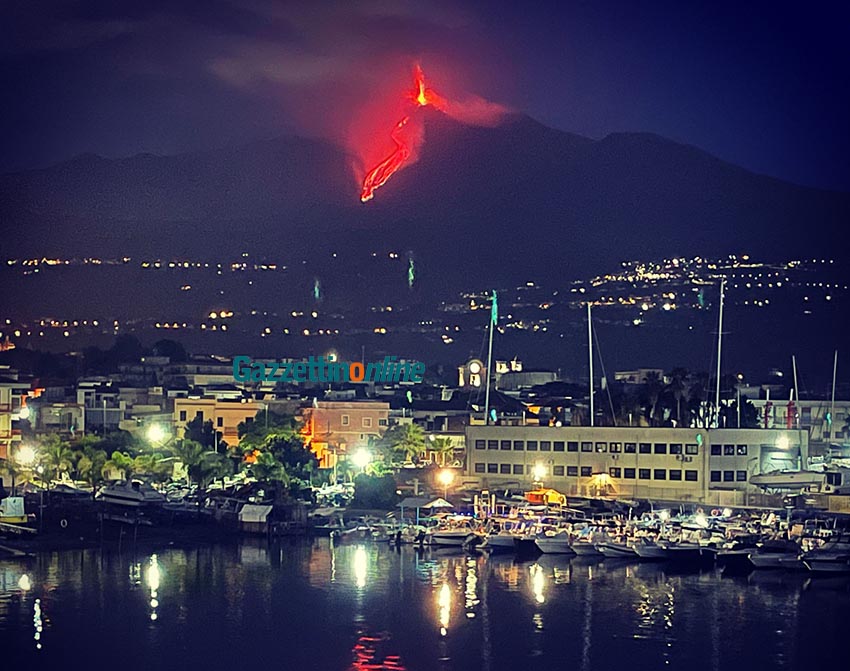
column 310, row 605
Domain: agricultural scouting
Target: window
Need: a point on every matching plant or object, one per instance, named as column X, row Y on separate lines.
column 182, row 415
column 691, row 476
column 531, row 446
column 346, row 420
column 492, row 468
column 728, row 450
column 518, row 469
column 675, row 448
column 643, row 474
column 545, row 446
column 480, row 444
column 558, row 446
column 479, row 467
column 615, row 447
column 505, row 469
column 691, row 448
column 519, row 445
column 572, row 471
column 630, row 448
column 716, row 450
column 505, row 445
column 614, row 471
column 558, row 470
column 629, row 473
column 586, row 471
column 382, row 422
column 660, row 448
column 572, row 446
column 601, row 447
column 675, row 474
column 367, row 422
column 741, row 450
column 659, row 474
column 199, row 414
column 741, row 476
column 728, row 476
column 586, row 446
column 492, row 444
column 219, row 421
column 644, row 448
column 715, row 476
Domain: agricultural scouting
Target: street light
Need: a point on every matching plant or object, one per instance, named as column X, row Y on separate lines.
column 446, row 477
column 361, row 459
column 25, row 456
column 538, row 472
column 156, row 434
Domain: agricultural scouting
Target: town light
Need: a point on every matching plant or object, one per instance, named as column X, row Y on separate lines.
column 361, row 458
column 539, row 471
column 156, row 434
column 25, row 456
column 446, row 477
column 783, row 443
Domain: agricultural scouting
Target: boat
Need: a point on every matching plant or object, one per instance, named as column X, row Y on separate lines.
column 12, row 510
column 833, row 557
column 776, row 554
column 130, row 493
column 682, row 551
column 615, row 550
column 450, row 537
column 649, row 550
column 554, row 544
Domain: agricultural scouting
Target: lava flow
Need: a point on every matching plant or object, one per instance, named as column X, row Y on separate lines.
column 378, row 175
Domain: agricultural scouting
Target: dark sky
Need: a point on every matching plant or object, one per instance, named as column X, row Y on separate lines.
column 761, row 84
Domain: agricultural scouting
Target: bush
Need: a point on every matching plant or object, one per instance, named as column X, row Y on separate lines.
column 374, row 492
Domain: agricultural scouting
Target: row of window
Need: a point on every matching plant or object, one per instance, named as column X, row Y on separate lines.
column 219, row 421
column 589, row 446
column 674, row 474
column 728, row 476
column 728, row 450
column 365, row 421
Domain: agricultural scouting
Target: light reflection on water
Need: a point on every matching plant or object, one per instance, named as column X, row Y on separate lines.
column 364, row 606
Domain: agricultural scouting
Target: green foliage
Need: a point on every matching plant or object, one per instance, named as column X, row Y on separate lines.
column 443, row 447
column 375, row 492
column 255, row 433
column 203, row 432
column 56, row 457
column 202, row 465
column 403, row 440
column 90, row 460
column 268, row 469
column 119, row 462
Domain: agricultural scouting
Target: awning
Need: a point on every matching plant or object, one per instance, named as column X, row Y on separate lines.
column 254, row 513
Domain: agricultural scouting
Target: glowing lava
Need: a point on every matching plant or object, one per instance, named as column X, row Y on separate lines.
column 378, row 176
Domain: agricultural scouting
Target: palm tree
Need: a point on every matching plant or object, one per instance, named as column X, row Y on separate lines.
column 653, row 390
column 407, row 439
column 443, row 447
column 90, row 463
column 56, row 457
column 120, row 462
column 678, row 388
column 268, row 469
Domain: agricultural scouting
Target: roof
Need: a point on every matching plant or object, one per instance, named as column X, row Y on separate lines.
column 423, row 502
column 254, row 513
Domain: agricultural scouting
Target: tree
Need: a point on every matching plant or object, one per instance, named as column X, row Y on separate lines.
column 56, row 457
column 202, row 465
column 90, row 461
column 678, row 389
column 203, row 432
column 170, row 348
column 653, row 388
column 268, row 469
column 119, row 462
column 443, row 448
column 405, row 439
column 375, row 492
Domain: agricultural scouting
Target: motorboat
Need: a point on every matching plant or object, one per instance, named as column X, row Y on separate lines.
column 649, row 550
column 682, row 551
column 558, row 543
column 833, row 557
column 616, row 550
column 454, row 537
column 776, row 554
column 130, row 493
column 585, row 548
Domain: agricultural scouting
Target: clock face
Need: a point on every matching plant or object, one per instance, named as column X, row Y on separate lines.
column 475, row 368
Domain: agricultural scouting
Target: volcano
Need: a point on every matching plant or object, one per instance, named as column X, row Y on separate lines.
column 518, row 201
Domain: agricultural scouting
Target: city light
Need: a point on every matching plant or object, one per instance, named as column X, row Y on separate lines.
column 539, row 472
column 361, row 459
column 156, row 434
column 25, row 456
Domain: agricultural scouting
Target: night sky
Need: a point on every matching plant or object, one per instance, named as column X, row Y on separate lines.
column 761, row 84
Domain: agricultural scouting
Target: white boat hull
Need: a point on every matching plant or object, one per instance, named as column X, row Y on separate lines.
column 554, row 545
column 772, row 560
column 614, row 551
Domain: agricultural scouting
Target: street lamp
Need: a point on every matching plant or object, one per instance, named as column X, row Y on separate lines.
column 361, row 459
column 156, row 434
column 446, row 477
column 25, row 456
column 538, row 472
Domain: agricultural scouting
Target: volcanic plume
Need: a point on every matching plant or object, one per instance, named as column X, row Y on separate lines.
column 473, row 111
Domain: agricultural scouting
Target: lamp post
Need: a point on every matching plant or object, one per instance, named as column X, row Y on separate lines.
column 446, row 477
column 361, row 458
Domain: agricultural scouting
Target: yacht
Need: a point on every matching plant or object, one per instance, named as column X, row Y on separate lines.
column 130, row 493
column 558, row 543
column 649, row 550
column 616, row 550
column 774, row 554
column 833, row 557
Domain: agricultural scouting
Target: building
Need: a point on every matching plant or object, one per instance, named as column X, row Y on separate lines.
column 12, row 392
column 331, row 428
column 225, row 415
column 640, row 376
column 712, row 466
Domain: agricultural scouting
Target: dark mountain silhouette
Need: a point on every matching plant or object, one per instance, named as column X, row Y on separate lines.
column 519, row 201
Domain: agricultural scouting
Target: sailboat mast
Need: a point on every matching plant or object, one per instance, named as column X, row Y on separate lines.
column 590, row 359
column 796, row 388
column 493, row 319
column 719, row 350
column 832, row 398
